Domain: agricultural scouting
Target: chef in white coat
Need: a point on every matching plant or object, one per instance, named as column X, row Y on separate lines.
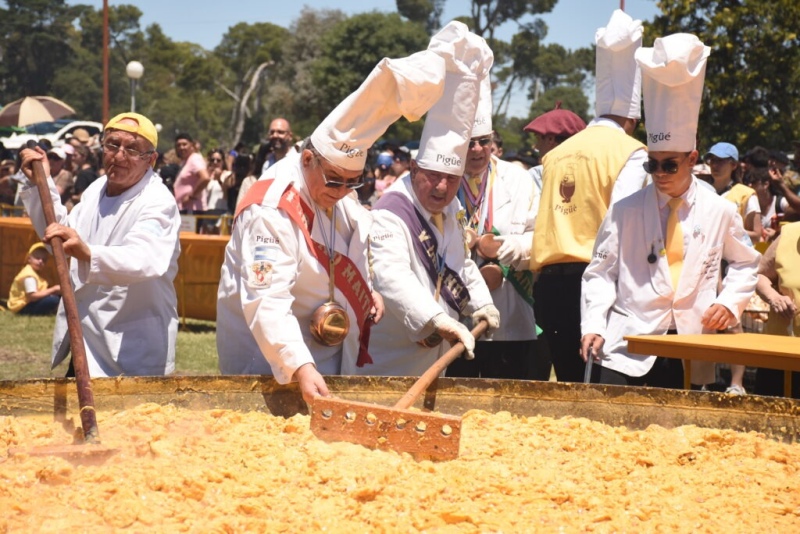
column 123, row 242
column 658, row 253
column 295, row 298
column 422, row 267
column 500, row 199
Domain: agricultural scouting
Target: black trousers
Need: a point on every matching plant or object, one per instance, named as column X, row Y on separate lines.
column 496, row 359
column 666, row 373
column 558, row 295
column 769, row 382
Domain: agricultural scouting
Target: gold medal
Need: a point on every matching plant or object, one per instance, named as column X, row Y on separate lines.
column 330, row 323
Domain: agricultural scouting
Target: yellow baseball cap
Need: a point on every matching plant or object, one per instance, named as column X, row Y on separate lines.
column 145, row 127
column 35, row 247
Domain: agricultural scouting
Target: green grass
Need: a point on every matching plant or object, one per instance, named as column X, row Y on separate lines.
column 26, row 345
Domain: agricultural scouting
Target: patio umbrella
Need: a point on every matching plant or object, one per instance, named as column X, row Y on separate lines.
column 33, row 109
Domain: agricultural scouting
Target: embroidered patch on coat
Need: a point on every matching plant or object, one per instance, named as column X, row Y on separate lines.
column 260, row 274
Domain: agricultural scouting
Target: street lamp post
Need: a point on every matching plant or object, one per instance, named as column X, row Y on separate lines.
column 134, row 70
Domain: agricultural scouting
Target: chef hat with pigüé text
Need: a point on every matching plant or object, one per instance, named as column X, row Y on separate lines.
column 396, row 87
column 449, row 125
column 673, row 72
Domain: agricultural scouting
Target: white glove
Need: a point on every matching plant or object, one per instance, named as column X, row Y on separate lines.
column 514, row 249
column 490, row 314
column 451, row 330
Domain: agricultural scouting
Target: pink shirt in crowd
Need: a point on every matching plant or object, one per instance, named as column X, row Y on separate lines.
column 186, row 180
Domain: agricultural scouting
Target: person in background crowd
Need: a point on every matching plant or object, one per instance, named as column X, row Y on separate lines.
column 551, row 129
column 658, row 255
column 525, row 158
column 384, row 172
column 774, row 199
column 497, row 145
column 86, row 167
column 422, row 269
column 216, row 192
column 792, row 173
column 244, row 178
column 779, row 286
column 63, row 178
column 168, row 166
column 262, row 154
column 124, row 248
column 30, row 294
column 240, row 148
column 367, row 195
column 281, row 142
column 8, row 187
column 190, row 185
column 582, row 177
column 723, row 158
column 80, row 137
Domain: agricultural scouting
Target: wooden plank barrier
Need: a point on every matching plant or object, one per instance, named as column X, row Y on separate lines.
column 198, row 266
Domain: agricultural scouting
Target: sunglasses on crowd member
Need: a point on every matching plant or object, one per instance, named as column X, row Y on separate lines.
column 112, row 149
column 215, row 160
column 669, row 166
column 277, row 132
column 335, row 184
column 483, row 142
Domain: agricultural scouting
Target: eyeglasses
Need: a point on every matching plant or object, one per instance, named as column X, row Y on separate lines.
column 333, row 184
column 669, row 166
column 277, row 132
column 112, row 149
column 482, row 142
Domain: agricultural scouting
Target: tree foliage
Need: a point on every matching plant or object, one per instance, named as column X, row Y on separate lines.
column 752, row 85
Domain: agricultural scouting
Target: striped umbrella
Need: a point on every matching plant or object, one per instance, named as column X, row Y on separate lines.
column 33, row 109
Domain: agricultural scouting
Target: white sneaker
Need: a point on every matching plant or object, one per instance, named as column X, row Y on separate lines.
column 736, row 389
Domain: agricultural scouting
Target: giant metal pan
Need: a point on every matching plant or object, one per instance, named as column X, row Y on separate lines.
column 634, row 408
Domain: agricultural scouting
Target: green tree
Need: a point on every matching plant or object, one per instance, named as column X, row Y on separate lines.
column 247, row 51
column 752, row 85
column 32, row 36
column 352, row 48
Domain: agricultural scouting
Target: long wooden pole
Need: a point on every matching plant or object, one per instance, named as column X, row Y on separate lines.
column 105, row 62
column 85, row 396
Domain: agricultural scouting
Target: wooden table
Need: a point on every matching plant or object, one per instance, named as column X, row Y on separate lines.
column 754, row 350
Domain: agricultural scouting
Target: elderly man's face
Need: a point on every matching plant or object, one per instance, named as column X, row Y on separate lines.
column 478, row 155
column 126, row 158
column 434, row 189
column 661, row 166
column 326, row 182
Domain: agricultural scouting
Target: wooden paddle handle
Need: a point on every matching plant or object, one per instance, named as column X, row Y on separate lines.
column 85, row 395
column 433, row 372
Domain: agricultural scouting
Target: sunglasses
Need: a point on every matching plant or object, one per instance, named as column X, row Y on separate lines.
column 215, row 160
column 482, row 142
column 334, row 184
column 669, row 166
column 277, row 132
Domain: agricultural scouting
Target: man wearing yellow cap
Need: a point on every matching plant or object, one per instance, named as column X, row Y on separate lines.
column 123, row 242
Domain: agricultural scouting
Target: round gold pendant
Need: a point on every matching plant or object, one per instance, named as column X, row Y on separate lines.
column 330, row 324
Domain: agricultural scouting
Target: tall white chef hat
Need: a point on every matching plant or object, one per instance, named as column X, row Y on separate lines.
column 673, row 72
column 483, row 116
column 395, row 87
column 618, row 77
column 448, row 127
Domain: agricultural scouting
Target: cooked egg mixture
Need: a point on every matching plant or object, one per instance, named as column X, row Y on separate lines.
column 226, row 471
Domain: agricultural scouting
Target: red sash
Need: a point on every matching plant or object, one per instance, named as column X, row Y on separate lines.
column 348, row 279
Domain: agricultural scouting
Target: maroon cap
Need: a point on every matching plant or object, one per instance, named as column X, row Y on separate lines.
column 560, row 122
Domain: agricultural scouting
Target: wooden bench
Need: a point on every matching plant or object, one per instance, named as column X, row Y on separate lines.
column 755, row 350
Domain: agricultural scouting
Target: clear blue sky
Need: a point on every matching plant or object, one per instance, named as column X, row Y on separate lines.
column 571, row 24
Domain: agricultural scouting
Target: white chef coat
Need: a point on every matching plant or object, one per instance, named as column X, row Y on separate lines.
column 624, row 294
column 263, row 326
column 515, row 203
column 407, row 290
column 125, row 295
